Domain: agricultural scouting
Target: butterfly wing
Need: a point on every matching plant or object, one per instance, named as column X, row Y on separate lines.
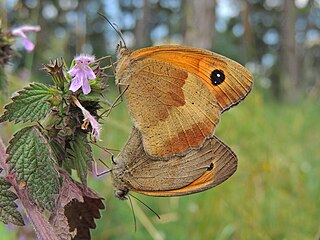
column 172, row 108
column 197, row 171
column 224, row 165
column 237, row 81
column 171, row 98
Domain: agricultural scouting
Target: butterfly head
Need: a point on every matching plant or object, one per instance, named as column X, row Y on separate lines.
column 121, row 50
column 123, row 64
column 118, row 176
column 121, row 193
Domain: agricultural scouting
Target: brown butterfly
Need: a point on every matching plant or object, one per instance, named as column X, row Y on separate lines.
column 175, row 95
column 197, row 171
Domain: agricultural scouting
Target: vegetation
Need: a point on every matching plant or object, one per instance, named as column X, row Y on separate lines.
column 275, row 193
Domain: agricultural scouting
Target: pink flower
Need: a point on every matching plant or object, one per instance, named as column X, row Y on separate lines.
column 88, row 118
column 81, row 73
column 20, row 32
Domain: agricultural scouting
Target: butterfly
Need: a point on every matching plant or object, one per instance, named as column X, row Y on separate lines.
column 199, row 170
column 176, row 94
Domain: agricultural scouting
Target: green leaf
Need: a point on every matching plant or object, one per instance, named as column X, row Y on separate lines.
column 31, row 159
column 8, row 208
column 31, row 103
column 58, row 151
column 81, row 154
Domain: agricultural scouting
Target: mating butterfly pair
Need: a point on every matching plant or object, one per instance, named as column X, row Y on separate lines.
column 175, row 96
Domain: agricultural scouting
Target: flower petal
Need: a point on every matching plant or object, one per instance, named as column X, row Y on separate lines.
column 96, row 127
column 27, row 28
column 90, row 74
column 73, row 71
column 28, row 45
column 18, row 33
column 86, row 87
column 76, row 83
column 86, row 59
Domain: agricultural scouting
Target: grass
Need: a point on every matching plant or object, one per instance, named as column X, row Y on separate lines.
column 275, row 193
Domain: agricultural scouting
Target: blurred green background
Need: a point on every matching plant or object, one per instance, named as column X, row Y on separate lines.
column 275, row 132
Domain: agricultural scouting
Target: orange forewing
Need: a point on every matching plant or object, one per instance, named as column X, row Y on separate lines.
column 238, row 80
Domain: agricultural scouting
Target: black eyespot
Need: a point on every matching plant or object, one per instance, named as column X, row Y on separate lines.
column 210, row 167
column 217, row 77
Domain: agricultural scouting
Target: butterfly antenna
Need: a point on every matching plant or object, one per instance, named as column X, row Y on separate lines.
column 115, row 28
column 145, row 205
column 133, row 214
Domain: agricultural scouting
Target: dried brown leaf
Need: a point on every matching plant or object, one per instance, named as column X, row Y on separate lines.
column 77, row 208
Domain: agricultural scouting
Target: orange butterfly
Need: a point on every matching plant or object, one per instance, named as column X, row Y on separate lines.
column 176, row 94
